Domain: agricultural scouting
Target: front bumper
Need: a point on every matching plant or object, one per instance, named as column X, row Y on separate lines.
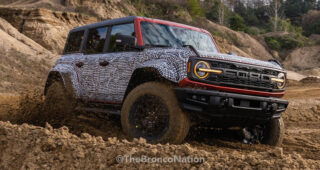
column 230, row 105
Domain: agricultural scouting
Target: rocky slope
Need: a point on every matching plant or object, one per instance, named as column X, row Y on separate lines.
column 46, row 27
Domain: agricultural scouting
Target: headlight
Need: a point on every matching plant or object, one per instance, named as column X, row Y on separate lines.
column 280, row 80
column 201, row 65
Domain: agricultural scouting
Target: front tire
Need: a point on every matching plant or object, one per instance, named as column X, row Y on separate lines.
column 59, row 101
column 274, row 132
column 151, row 111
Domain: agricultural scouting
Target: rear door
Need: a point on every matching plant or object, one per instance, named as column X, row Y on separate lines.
column 89, row 74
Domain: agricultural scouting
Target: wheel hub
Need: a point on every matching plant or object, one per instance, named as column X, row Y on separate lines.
column 150, row 116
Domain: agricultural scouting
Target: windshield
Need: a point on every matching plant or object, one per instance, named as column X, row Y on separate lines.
column 165, row 35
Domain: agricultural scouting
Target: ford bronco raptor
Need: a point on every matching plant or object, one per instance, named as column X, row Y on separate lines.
column 163, row 77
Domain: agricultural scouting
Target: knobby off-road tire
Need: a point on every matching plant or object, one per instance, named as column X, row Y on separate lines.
column 154, row 102
column 274, row 132
column 58, row 101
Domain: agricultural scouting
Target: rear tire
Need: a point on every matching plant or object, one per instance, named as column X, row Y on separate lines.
column 151, row 111
column 274, row 132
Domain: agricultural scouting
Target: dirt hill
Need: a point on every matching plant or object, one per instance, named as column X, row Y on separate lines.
column 23, row 62
column 305, row 59
column 46, row 27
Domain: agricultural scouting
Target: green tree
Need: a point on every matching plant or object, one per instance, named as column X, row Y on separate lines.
column 236, row 22
column 194, row 8
column 315, row 28
column 294, row 9
column 218, row 12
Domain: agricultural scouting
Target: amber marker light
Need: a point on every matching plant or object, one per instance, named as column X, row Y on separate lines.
column 189, row 67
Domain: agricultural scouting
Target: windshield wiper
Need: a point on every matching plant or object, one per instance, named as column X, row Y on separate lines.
column 157, row 45
column 193, row 49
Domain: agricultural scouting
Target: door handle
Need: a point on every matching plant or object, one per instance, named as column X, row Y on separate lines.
column 104, row 63
column 79, row 64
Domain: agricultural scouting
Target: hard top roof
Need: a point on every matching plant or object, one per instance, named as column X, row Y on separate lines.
column 123, row 20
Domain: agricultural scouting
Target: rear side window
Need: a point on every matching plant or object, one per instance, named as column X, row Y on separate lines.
column 124, row 29
column 96, row 40
column 74, row 42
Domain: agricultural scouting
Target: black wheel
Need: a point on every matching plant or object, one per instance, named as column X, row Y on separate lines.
column 273, row 134
column 270, row 133
column 151, row 111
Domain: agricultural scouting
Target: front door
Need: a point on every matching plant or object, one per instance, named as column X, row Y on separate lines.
column 115, row 66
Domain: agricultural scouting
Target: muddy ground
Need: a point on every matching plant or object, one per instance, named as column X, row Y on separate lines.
column 94, row 141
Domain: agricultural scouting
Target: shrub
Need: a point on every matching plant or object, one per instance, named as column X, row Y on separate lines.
column 236, row 22
column 253, row 31
column 285, row 42
column 273, row 43
column 288, row 42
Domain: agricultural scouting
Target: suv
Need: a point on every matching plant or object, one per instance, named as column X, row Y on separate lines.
column 163, row 77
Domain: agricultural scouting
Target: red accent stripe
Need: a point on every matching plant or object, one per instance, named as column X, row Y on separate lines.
column 189, row 83
column 158, row 21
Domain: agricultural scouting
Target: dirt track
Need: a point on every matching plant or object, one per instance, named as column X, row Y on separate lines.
column 47, row 148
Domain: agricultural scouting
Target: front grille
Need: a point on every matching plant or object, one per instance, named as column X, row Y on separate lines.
column 243, row 76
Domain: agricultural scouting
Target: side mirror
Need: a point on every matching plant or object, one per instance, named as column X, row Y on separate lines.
column 126, row 40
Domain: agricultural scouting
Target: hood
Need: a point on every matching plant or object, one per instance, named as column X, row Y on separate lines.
column 187, row 52
column 242, row 60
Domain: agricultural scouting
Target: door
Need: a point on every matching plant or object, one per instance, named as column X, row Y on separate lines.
column 116, row 66
column 74, row 58
column 89, row 64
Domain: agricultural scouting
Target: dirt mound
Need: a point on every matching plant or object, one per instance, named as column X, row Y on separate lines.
column 311, row 80
column 291, row 75
column 305, row 58
column 304, row 103
column 36, row 147
column 30, row 108
column 11, row 38
column 23, row 62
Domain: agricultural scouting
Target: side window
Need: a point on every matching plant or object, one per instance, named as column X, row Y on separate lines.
column 124, row 29
column 96, row 40
column 74, row 42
